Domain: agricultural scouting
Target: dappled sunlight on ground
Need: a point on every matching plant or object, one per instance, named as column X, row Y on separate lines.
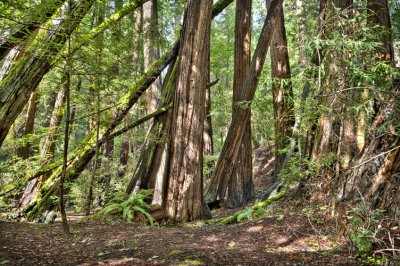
column 285, row 236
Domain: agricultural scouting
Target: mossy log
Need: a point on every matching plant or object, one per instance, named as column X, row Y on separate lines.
column 233, row 218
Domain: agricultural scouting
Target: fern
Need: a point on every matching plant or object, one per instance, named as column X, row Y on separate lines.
column 130, row 206
column 251, row 213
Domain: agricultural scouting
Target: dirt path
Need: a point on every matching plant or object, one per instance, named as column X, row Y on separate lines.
column 284, row 238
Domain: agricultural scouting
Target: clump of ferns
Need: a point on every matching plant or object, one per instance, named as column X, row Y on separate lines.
column 130, row 207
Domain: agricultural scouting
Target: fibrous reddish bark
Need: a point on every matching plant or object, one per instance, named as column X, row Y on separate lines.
column 185, row 200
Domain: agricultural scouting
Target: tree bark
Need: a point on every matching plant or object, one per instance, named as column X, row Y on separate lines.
column 185, row 200
column 240, row 186
column 226, row 162
column 282, row 93
column 151, row 51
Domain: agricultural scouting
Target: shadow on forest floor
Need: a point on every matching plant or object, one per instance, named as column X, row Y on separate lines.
column 284, row 237
column 287, row 235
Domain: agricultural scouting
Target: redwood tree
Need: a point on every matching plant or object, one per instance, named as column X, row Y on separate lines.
column 240, row 186
column 185, row 200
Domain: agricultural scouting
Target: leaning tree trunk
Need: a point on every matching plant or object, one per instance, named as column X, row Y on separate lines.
column 40, row 57
column 47, row 151
column 85, row 151
column 229, row 154
column 185, row 200
column 29, row 70
column 18, row 35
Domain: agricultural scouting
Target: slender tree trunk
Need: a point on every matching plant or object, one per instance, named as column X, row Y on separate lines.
column 229, row 154
column 151, row 51
column 282, row 93
column 67, row 86
column 27, row 150
column 136, row 70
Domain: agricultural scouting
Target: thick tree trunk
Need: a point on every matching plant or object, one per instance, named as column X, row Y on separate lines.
column 334, row 83
column 378, row 15
column 29, row 70
column 229, row 154
column 185, row 200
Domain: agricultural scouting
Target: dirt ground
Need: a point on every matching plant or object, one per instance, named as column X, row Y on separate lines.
column 285, row 236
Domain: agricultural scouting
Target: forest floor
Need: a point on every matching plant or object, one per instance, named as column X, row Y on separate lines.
column 285, row 237
column 289, row 234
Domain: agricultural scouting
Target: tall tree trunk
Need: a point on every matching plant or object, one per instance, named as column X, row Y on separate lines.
column 241, row 184
column 229, row 154
column 136, row 70
column 185, row 200
column 67, row 87
column 282, row 93
column 151, row 51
